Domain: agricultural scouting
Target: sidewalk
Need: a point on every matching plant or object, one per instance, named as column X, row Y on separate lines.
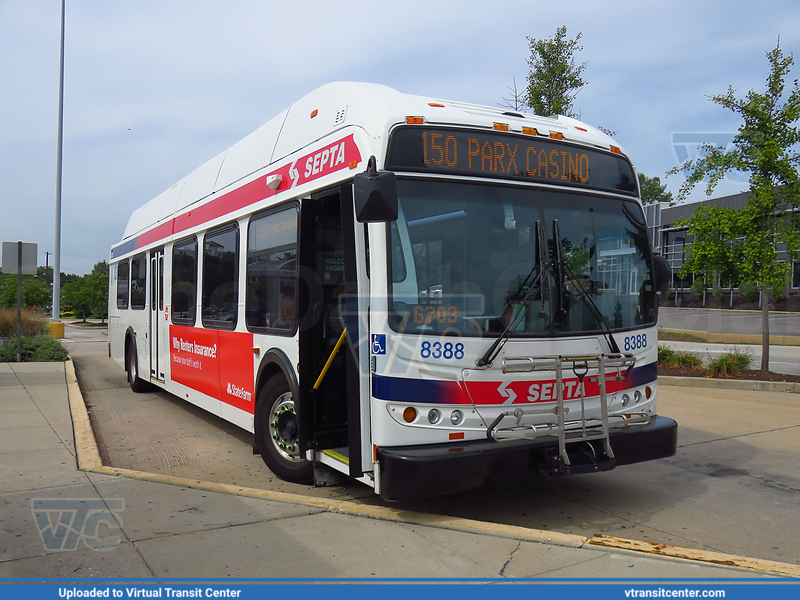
column 150, row 528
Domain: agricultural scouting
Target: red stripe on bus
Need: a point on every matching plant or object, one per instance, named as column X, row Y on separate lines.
column 337, row 156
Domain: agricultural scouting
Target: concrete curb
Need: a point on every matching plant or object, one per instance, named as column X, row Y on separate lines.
column 731, row 384
column 361, row 510
column 736, row 338
column 717, row 558
column 89, row 460
column 85, row 443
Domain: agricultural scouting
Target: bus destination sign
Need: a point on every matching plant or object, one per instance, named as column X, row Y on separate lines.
column 491, row 154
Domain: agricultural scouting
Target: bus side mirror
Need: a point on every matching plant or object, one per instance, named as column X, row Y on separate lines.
column 375, row 195
column 661, row 273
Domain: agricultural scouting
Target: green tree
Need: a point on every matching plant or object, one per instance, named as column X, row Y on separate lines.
column 653, row 190
column 35, row 292
column 716, row 251
column 88, row 295
column 765, row 147
column 555, row 78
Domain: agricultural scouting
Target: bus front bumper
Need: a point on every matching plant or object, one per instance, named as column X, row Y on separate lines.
column 414, row 472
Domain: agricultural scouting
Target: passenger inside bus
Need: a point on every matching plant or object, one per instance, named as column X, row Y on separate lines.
column 288, row 312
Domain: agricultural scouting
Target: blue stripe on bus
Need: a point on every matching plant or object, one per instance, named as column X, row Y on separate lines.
column 401, row 389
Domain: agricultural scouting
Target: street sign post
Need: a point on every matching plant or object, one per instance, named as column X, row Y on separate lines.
column 19, row 257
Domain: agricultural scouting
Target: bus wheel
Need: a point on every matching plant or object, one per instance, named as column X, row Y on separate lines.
column 137, row 384
column 277, row 428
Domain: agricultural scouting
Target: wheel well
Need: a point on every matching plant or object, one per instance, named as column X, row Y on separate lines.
column 274, row 363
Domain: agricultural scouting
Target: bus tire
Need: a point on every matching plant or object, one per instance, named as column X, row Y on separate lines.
column 277, row 431
column 137, row 384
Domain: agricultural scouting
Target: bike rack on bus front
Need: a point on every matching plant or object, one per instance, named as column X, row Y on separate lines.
column 581, row 429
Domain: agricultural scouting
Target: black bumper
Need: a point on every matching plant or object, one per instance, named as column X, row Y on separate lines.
column 414, row 472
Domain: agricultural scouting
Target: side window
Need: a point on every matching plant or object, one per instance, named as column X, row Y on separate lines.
column 272, row 271
column 138, row 281
column 123, row 284
column 221, row 277
column 184, row 281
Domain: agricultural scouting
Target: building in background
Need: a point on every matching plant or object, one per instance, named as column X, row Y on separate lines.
column 672, row 241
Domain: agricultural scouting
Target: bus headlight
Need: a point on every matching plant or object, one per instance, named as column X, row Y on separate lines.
column 637, row 396
column 456, row 417
column 625, row 400
column 434, row 416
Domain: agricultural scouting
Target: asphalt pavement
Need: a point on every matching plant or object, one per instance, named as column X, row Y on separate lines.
column 740, row 325
column 65, row 515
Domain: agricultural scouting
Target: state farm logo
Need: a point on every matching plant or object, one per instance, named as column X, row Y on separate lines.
column 237, row 392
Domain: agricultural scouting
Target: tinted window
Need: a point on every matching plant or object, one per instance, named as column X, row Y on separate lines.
column 272, row 271
column 138, row 281
column 123, row 282
column 184, row 281
column 221, row 277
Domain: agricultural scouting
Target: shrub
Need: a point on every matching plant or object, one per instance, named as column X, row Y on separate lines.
column 748, row 290
column 40, row 348
column 687, row 360
column 32, row 324
column 698, row 287
column 684, row 360
column 665, row 355
column 778, row 293
column 729, row 364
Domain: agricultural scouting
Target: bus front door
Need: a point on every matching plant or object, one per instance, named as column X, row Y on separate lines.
column 158, row 333
column 329, row 392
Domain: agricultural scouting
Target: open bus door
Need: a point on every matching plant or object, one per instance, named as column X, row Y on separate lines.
column 329, row 409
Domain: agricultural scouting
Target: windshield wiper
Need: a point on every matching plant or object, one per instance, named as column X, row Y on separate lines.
column 563, row 268
column 532, row 285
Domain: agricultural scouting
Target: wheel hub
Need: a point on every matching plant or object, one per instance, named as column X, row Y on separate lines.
column 283, row 427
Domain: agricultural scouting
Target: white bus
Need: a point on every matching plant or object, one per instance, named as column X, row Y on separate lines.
column 423, row 295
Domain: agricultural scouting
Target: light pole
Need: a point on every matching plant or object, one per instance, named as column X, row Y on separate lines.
column 56, row 310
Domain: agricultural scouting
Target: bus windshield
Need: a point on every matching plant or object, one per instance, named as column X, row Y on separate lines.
column 464, row 261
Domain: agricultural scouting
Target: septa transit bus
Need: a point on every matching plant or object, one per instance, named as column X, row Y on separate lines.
column 423, row 295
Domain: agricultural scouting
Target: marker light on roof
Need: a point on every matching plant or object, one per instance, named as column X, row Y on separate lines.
column 530, row 131
column 500, row 127
column 581, row 128
column 556, row 135
column 314, row 113
column 274, row 181
column 415, row 120
column 435, row 104
column 615, row 150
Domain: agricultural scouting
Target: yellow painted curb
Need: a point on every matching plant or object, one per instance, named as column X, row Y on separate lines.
column 361, row 510
column 85, row 443
column 716, row 558
column 736, row 338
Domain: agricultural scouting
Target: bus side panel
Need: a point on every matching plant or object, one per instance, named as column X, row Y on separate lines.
column 216, row 363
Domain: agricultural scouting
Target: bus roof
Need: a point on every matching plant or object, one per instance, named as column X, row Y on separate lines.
column 371, row 107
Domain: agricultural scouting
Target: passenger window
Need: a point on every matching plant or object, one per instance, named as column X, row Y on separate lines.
column 123, row 284
column 184, row 281
column 272, row 272
column 138, row 281
column 221, row 277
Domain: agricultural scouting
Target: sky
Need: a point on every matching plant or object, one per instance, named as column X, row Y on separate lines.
column 155, row 88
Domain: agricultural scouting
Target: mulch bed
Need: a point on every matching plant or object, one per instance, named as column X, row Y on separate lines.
column 747, row 374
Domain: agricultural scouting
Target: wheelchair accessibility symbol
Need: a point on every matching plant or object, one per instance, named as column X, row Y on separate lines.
column 379, row 343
